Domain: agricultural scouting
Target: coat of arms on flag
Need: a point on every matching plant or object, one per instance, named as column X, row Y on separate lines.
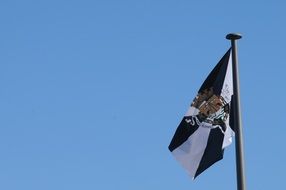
column 205, row 130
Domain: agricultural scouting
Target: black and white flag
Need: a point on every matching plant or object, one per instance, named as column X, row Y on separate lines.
column 205, row 130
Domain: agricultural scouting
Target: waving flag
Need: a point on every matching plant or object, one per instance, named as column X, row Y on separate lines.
column 205, row 130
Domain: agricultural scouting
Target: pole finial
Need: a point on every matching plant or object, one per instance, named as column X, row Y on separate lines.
column 233, row 36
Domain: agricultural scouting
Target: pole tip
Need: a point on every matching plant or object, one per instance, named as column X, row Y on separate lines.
column 233, row 36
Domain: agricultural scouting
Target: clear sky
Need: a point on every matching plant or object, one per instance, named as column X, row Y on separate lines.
column 91, row 92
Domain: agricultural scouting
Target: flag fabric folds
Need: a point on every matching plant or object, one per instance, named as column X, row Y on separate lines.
column 206, row 129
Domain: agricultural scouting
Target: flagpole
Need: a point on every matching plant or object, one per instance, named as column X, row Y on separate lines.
column 240, row 173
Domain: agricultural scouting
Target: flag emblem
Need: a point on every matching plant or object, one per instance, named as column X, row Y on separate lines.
column 205, row 130
column 213, row 109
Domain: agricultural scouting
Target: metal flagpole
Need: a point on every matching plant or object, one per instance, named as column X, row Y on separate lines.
column 240, row 174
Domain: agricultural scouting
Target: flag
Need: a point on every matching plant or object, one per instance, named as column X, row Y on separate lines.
column 206, row 129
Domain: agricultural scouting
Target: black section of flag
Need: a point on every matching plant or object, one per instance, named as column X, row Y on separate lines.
column 183, row 132
column 216, row 77
column 213, row 151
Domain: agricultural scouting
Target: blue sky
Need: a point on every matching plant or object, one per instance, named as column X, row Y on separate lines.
column 91, row 92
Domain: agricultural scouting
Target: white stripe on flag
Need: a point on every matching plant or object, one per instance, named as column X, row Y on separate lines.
column 226, row 93
column 190, row 153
